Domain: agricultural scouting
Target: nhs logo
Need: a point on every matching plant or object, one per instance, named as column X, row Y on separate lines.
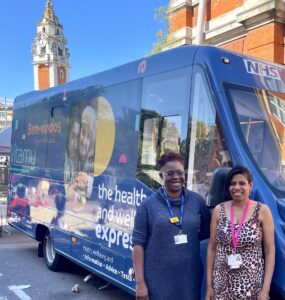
column 261, row 69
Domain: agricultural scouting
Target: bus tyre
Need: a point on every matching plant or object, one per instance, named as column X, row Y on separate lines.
column 52, row 259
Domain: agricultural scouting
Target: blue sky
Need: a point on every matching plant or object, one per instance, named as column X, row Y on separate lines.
column 101, row 34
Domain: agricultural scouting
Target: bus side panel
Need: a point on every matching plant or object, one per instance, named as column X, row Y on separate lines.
column 89, row 206
column 101, row 226
column 28, row 202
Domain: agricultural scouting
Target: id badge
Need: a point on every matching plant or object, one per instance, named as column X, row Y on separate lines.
column 174, row 220
column 180, row 239
column 234, row 261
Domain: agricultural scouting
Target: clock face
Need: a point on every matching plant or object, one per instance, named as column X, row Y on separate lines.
column 43, row 42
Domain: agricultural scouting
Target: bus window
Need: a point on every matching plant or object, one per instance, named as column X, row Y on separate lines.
column 261, row 116
column 149, row 140
column 35, row 141
column 170, row 134
column 56, row 136
column 19, row 122
column 207, row 149
column 164, row 120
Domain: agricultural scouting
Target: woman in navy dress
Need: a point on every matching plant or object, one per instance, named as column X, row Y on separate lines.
column 166, row 238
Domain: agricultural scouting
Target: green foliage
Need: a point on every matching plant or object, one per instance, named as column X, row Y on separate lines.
column 161, row 15
column 201, row 130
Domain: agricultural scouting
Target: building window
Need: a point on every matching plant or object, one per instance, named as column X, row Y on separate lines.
column 61, row 74
column 43, row 50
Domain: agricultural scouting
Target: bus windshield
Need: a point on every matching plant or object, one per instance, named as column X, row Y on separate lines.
column 261, row 117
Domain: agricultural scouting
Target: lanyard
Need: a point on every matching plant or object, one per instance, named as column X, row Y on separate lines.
column 235, row 237
column 180, row 223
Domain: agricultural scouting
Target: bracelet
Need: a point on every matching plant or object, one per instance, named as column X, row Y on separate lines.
column 264, row 295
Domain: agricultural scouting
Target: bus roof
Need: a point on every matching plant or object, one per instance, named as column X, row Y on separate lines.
column 239, row 69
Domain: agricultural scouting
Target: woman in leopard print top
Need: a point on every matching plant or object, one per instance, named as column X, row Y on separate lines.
column 236, row 269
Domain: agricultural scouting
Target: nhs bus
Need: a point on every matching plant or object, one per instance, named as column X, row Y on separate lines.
column 83, row 154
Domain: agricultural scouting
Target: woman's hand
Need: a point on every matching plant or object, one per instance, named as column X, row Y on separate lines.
column 210, row 294
column 263, row 295
column 141, row 291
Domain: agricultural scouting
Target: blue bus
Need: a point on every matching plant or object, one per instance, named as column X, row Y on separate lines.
column 83, row 154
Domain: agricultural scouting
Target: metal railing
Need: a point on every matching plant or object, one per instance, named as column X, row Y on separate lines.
column 4, row 227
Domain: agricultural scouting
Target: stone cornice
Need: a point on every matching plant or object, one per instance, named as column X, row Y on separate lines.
column 177, row 4
column 256, row 13
column 177, row 43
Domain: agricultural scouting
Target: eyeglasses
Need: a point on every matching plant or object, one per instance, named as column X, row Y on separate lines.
column 173, row 173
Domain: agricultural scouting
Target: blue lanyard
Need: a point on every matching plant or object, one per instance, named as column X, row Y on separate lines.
column 180, row 223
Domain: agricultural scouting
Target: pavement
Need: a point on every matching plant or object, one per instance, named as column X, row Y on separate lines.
column 9, row 235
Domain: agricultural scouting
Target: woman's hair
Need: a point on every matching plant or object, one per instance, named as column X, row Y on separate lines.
column 169, row 156
column 238, row 170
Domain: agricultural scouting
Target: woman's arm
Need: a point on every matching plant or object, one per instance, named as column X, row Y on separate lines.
column 211, row 253
column 266, row 220
column 138, row 261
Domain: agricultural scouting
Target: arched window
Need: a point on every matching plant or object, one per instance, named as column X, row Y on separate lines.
column 61, row 74
column 59, row 51
column 43, row 50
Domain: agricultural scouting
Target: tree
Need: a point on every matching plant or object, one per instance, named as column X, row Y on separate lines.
column 161, row 15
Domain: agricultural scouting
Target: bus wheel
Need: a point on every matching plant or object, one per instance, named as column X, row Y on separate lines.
column 52, row 259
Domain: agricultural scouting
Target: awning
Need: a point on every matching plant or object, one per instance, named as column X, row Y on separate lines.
column 5, row 141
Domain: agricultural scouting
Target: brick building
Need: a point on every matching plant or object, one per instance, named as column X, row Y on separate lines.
column 6, row 112
column 253, row 27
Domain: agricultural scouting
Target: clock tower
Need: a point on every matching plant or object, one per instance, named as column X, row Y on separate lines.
column 50, row 55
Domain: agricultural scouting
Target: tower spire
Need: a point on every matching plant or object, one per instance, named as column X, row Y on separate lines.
column 49, row 14
column 50, row 54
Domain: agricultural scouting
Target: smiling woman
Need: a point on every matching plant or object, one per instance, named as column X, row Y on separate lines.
column 236, row 268
column 169, row 225
column 172, row 174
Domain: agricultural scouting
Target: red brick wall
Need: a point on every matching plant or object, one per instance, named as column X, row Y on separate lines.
column 220, row 7
column 266, row 42
column 216, row 8
column 180, row 19
column 43, row 77
column 238, row 45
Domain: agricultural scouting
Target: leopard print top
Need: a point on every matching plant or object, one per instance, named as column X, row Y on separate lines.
column 246, row 282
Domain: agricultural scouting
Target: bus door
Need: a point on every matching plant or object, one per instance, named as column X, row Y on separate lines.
column 207, row 145
column 54, row 206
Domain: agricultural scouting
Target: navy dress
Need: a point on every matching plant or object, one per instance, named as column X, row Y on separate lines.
column 172, row 271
